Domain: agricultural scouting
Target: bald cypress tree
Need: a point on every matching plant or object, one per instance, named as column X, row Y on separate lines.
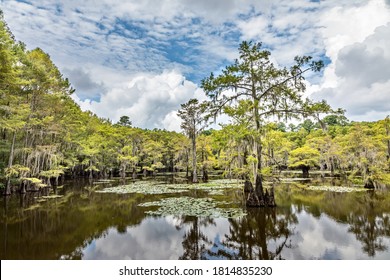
column 269, row 91
column 193, row 122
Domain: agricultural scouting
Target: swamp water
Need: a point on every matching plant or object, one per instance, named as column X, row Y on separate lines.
column 156, row 219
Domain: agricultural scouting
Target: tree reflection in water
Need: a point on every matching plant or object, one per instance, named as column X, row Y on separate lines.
column 262, row 234
column 195, row 241
column 370, row 226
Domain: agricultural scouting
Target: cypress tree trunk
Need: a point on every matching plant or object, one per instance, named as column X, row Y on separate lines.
column 10, row 162
column 205, row 176
column 305, row 171
column 257, row 197
column 90, row 170
column 23, row 188
column 123, row 171
column 194, row 172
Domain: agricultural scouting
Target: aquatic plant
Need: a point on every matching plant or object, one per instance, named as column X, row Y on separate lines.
column 141, row 187
column 189, row 206
column 336, row 189
column 214, row 187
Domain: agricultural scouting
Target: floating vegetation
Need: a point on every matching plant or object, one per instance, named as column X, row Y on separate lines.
column 51, row 196
column 106, row 180
column 143, row 188
column 189, row 206
column 45, row 198
column 336, row 189
column 103, row 181
column 91, row 188
column 214, row 187
column 291, row 180
column 216, row 192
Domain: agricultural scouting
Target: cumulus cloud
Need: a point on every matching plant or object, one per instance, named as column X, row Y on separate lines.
column 367, row 62
column 86, row 87
column 360, row 82
column 149, row 100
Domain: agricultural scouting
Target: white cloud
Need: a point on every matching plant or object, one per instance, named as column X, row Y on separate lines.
column 152, row 239
column 358, row 78
column 172, row 121
column 149, row 100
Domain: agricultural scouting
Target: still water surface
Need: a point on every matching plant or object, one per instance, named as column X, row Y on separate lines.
column 84, row 224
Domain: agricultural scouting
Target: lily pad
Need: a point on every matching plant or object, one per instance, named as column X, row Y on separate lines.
column 103, row 181
column 189, row 206
column 144, row 187
column 291, row 180
column 51, row 196
column 215, row 186
column 336, row 189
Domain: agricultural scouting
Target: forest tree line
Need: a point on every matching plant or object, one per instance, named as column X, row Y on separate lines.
column 45, row 136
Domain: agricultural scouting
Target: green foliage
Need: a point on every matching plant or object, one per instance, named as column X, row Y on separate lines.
column 333, row 120
column 304, row 157
column 34, row 181
column 124, row 121
column 16, row 171
column 52, row 173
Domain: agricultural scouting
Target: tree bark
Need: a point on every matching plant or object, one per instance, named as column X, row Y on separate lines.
column 90, row 170
column 305, row 171
column 10, row 162
column 123, row 171
column 194, row 171
column 205, row 176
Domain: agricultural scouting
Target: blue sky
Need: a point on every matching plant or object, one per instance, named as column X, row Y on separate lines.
column 144, row 58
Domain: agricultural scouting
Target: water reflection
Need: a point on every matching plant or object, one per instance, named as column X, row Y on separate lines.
column 154, row 238
column 195, row 242
column 262, row 234
column 82, row 224
column 371, row 226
